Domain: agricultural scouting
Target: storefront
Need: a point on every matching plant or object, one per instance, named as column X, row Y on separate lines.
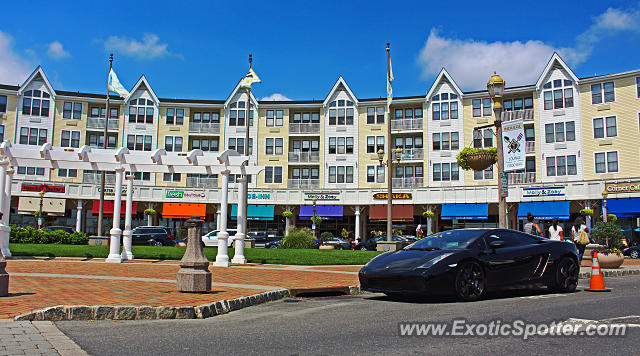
column 402, row 216
column 459, row 216
column 260, row 217
column 626, row 210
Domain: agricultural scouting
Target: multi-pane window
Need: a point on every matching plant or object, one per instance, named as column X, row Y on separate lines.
column 517, row 104
column 175, row 116
column 171, row 177
column 342, row 114
column 173, row 143
column 273, row 175
column 275, row 118
column 1, row 133
column 408, row 113
column 605, row 127
column 306, row 117
column 445, row 141
column 72, row 110
column 237, row 144
column 99, row 112
column 67, row 173
column 375, row 174
column 561, row 95
column 144, row 176
column 606, row 162
column 238, row 112
column 274, row 146
column 484, row 174
column 342, row 145
column 560, row 132
column 562, row 166
column 305, row 173
column 481, row 107
column 340, row 174
column 141, row 111
column 609, row 93
column 3, row 103
column 205, row 144
column 374, row 144
column 482, row 138
column 70, row 139
column 637, row 92
column 442, row 108
column 35, row 103
column 409, row 172
column 409, row 142
column 445, row 172
column 375, row 115
column 97, row 141
column 305, row 145
column 30, row 171
column 205, row 117
column 33, row 136
column 139, row 142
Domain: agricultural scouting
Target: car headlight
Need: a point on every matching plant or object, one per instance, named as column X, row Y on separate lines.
column 433, row 261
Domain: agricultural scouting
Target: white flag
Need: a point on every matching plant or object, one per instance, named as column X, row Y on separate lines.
column 115, row 85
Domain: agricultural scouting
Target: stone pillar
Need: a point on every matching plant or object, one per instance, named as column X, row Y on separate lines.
column 194, row 275
column 222, row 259
column 4, row 228
column 6, row 209
column 114, row 248
column 127, row 233
column 4, row 277
column 238, row 257
column 79, row 216
column 356, row 233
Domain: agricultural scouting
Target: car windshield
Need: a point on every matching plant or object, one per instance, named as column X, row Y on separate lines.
column 454, row 239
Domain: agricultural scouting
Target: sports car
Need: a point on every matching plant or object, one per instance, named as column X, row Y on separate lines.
column 468, row 262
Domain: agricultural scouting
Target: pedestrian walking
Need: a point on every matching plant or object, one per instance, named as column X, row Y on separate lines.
column 531, row 227
column 555, row 231
column 580, row 235
column 419, row 233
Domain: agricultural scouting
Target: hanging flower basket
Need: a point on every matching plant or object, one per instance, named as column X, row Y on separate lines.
column 428, row 214
column 149, row 212
column 586, row 212
column 287, row 214
column 477, row 159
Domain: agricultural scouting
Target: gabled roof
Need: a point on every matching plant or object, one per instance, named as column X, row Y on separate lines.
column 30, row 78
column 254, row 101
column 441, row 76
column 555, row 59
column 142, row 80
column 339, row 82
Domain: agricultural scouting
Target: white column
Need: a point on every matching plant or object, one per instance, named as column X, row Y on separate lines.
column 238, row 257
column 357, row 230
column 222, row 259
column 287, row 222
column 126, row 234
column 587, row 205
column 114, row 248
column 6, row 209
column 218, row 214
column 79, row 216
column 4, row 228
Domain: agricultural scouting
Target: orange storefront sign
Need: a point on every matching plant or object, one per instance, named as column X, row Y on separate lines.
column 183, row 210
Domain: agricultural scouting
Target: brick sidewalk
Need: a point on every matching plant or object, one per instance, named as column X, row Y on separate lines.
column 38, row 283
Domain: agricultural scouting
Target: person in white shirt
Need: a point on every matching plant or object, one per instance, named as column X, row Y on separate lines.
column 555, row 231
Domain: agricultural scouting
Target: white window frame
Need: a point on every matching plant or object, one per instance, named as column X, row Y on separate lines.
column 71, row 139
column 270, row 174
column 175, row 116
column 276, row 150
column 606, row 162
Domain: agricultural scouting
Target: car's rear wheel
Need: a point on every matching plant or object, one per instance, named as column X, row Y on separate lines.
column 470, row 281
column 634, row 254
column 566, row 276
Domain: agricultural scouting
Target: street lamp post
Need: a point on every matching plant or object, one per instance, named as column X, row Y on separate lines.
column 40, row 213
column 495, row 87
column 389, row 164
column 313, row 223
column 604, row 206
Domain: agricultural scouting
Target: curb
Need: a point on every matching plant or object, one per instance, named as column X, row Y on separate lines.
column 612, row 273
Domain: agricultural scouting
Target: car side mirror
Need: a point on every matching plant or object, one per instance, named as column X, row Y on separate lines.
column 496, row 244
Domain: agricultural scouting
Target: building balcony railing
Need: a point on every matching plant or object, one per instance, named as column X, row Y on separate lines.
column 98, row 123
column 298, row 128
column 412, row 154
column 530, row 147
column 204, row 127
column 313, row 156
column 94, row 178
column 202, row 182
column 303, row 183
column 521, row 178
column 407, row 182
column 526, row 115
column 406, row 124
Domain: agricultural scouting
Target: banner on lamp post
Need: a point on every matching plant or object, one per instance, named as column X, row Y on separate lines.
column 513, row 145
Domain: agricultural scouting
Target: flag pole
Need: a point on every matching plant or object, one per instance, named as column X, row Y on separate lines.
column 103, row 173
column 389, row 159
column 246, row 151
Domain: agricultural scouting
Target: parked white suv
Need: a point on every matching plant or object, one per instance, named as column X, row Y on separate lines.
column 211, row 238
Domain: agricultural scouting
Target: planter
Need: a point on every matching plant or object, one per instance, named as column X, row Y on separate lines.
column 326, row 247
column 611, row 260
column 589, row 249
column 480, row 161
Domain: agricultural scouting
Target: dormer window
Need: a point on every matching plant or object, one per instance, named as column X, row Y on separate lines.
column 238, row 112
column 560, row 97
column 141, row 111
column 445, row 107
column 35, row 103
column 343, row 115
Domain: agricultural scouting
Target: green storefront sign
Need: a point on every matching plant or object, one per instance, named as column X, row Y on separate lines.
column 175, row 194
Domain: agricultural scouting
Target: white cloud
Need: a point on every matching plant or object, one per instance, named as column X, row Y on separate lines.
column 275, row 97
column 149, row 48
column 56, row 50
column 13, row 68
column 471, row 62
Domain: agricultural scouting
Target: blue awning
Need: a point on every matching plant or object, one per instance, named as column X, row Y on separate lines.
column 327, row 212
column 544, row 210
column 629, row 207
column 465, row 211
column 254, row 212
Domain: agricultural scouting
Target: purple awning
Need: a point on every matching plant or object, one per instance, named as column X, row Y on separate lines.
column 327, row 212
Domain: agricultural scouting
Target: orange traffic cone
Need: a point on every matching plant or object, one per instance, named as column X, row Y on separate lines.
column 597, row 282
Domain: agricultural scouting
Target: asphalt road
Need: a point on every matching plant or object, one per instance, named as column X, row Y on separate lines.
column 369, row 324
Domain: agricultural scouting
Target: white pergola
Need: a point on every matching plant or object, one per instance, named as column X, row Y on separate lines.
column 122, row 160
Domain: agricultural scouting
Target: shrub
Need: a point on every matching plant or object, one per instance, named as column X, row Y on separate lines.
column 298, row 238
column 28, row 234
column 316, row 220
column 608, row 234
column 326, row 236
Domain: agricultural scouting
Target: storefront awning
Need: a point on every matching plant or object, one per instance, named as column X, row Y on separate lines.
column 183, row 210
column 51, row 206
column 255, row 212
column 327, row 212
column 108, row 208
column 629, row 207
column 399, row 212
column 465, row 211
column 544, row 210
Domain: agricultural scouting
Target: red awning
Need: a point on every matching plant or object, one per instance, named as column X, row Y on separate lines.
column 399, row 212
column 108, row 208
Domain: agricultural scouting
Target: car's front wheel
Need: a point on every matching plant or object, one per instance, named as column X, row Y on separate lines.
column 566, row 276
column 470, row 281
column 634, row 254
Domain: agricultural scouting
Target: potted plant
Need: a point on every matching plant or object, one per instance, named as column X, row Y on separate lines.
column 608, row 235
column 428, row 214
column 287, row 214
column 586, row 212
column 610, row 217
column 316, row 220
column 477, row 159
column 150, row 213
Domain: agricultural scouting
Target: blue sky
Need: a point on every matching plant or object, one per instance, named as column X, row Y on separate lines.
column 200, row 50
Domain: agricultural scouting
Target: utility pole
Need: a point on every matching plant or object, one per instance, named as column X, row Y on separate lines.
column 103, row 173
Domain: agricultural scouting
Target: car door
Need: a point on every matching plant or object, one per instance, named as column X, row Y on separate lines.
column 516, row 261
